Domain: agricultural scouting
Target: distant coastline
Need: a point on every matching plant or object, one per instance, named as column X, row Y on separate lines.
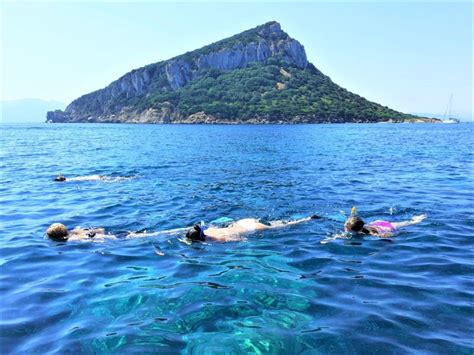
column 28, row 110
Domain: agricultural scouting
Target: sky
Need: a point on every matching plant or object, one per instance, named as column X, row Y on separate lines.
column 410, row 56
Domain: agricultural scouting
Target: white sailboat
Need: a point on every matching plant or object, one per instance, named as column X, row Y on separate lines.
column 447, row 113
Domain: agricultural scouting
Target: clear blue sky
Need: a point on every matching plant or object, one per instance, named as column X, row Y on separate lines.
column 408, row 56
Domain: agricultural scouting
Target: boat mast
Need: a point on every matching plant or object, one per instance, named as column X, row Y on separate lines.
column 448, row 108
column 450, row 105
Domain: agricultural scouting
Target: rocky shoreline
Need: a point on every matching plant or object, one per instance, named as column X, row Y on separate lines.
column 151, row 117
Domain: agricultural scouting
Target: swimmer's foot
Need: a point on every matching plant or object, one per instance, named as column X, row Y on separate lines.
column 418, row 219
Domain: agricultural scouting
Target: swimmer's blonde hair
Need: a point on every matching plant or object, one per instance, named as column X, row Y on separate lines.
column 57, row 231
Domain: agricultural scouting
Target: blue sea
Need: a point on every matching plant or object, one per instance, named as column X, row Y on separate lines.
column 279, row 291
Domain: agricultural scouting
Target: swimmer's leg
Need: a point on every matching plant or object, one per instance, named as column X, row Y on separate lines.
column 279, row 224
column 414, row 220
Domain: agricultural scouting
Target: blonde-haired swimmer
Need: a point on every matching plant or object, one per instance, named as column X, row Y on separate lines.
column 59, row 232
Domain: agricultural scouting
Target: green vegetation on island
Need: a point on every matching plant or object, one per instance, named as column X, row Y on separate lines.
column 273, row 91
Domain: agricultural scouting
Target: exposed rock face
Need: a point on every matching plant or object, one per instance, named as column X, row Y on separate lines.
column 180, row 72
column 104, row 105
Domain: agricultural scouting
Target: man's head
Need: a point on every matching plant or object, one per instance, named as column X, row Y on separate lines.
column 57, row 231
column 195, row 233
column 60, row 177
column 354, row 224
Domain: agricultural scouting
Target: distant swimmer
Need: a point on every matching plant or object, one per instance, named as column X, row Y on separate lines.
column 237, row 229
column 61, row 177
column 377, row 228
column 59, row 232
column 104, row 178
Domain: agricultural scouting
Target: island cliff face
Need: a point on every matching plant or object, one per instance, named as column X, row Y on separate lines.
column 259, row 76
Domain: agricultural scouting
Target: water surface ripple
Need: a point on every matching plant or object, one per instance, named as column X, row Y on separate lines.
column 279, row 291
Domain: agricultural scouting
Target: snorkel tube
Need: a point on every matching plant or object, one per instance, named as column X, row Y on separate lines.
column 353, row 211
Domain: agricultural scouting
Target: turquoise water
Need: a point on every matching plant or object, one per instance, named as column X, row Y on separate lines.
column 279, row 291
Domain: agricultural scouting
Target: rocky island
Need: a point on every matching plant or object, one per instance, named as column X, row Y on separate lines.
column 258, row 76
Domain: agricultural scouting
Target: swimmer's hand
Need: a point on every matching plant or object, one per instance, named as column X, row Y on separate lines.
column 342, row 235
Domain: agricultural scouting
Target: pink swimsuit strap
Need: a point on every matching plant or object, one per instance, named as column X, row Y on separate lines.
column 386, row 225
